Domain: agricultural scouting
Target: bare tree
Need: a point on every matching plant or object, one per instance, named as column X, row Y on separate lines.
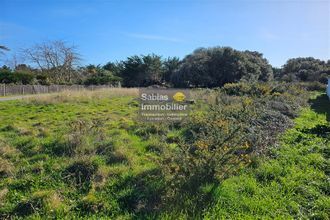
column 54, row 58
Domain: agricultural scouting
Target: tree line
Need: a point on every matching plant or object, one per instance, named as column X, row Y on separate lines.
column 57, row 62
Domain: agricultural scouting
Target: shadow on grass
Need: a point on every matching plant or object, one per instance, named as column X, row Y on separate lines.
column 141, row 194
column 321, row 104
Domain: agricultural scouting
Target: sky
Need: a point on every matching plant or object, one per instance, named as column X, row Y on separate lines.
column 112, row 30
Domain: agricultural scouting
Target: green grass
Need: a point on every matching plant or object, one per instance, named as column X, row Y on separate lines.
column 32, row 175
column 37, row 182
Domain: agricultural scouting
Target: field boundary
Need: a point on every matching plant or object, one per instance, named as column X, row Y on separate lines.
column 9, row 90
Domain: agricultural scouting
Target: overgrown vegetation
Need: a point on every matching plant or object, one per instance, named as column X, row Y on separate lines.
column 57, row 62
column 84, row 155
column 292, row 184
column 306, row 69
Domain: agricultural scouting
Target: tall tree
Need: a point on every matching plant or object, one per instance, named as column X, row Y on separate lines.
column 55, row 59
column 152, row 69
column 170, row 65
column 142, row 70
column 97, row 75
column 213, row 67
column 115, row 68
column 305, row 69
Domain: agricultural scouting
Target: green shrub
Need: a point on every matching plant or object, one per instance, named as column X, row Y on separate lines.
column 17, row 77
column 314, row 86
column 251, row 89
column 215, row 145
column 102, row 77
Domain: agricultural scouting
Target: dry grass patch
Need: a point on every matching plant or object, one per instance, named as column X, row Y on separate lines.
column 6, row 168
column 207, row 95
column 3, row 193
column 81, row 95
column 8, row 152
column 101, row 176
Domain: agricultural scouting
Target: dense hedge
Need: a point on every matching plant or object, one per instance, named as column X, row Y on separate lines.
column 17, row 77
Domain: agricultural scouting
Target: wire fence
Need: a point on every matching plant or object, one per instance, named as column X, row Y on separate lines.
column 7, row 90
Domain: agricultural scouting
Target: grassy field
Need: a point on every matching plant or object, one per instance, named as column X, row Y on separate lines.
column 35, row 133
column 83, row 155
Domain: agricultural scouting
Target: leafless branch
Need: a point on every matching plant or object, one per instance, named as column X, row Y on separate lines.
column 54, row 58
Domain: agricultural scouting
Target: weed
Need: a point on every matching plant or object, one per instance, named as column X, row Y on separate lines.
column 80, row 173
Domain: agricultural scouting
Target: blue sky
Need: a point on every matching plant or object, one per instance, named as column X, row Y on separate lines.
column 110, row 30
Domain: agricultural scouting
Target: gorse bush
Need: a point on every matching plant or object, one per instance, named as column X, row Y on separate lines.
column 242, row 125
column 270, row 88
column 250, row 89
column 215, row 145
